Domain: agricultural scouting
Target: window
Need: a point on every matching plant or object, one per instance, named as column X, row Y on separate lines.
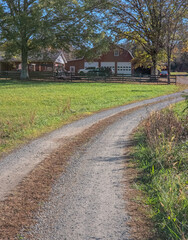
column 116, row 53
column 72, row 69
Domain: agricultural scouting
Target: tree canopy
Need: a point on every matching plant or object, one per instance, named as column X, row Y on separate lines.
column 30, row 25
column 150, row 23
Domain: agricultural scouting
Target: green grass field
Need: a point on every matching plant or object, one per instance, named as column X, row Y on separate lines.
column 179, row 73
column 29, row 109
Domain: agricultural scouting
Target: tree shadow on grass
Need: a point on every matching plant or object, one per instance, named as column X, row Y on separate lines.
column 12, row 82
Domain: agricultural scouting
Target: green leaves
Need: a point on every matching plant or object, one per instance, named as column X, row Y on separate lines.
column 31, row 26
column 152, row 24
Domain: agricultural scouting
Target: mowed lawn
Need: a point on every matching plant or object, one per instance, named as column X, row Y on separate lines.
column 179, row 73
column 29, row 109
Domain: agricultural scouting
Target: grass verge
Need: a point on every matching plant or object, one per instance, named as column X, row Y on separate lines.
column 141, row 228
column 161, row 154
column 29, row 109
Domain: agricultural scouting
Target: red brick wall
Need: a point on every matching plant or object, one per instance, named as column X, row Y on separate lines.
column 124, row 56
column 79, row 64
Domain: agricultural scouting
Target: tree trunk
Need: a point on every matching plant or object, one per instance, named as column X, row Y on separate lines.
column 169, row 63
column 154, row 67
column 24, row 71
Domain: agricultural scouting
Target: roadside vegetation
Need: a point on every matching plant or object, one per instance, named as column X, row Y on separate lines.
column 29, row 109
column 161, row 154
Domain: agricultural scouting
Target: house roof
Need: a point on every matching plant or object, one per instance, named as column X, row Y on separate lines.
column 48, row 56
column 127, row 51
column 70, row 54
column 56, row 56
column 112, row 47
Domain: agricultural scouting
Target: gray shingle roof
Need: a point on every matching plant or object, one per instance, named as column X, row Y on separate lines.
column 44, row 56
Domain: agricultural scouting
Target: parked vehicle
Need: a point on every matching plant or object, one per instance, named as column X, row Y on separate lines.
column 103, row 71
column 163, row 73
column 85, row 70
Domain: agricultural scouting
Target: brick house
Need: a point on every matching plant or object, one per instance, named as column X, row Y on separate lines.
column 46, row 61
column 118, row 59
column 10, row 65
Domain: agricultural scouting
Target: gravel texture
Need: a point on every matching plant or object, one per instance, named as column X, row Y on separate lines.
column 87, row 202
column 182, row 80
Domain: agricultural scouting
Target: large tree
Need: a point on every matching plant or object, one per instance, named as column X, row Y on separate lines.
column 141, row 21
column 32, row 25
column 21, row 25
column 143, row 59
column 146, row 22
column 174, row 26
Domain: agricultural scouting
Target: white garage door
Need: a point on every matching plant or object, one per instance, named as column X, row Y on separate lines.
column 91, row 64
column 108, row 64
column 123, row 68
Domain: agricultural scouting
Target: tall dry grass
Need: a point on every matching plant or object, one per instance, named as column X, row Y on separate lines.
column 162, row 156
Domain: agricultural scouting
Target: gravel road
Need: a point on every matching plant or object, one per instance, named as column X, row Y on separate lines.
column 182, row 80
column 87, row 202
column 15, row 166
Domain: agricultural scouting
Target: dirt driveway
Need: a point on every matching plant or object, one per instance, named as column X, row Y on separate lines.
column 182, row 80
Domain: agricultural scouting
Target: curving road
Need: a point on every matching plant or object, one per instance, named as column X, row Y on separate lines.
column 87, row 202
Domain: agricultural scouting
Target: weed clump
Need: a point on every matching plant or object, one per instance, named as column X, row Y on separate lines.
column 162, row 155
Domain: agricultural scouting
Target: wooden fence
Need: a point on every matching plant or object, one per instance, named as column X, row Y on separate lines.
column 50, row 76
column 123, row 79
column 33, row 75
